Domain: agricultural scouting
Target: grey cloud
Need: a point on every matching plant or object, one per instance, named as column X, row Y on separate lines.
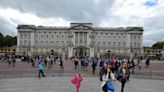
column 153, row 26
column 81, row 11
column 6, row 28
column 74, row 10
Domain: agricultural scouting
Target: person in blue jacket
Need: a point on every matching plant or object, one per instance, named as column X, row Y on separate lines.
column 40, row 68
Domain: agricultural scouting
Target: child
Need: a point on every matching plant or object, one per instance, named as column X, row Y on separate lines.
column 77, row 78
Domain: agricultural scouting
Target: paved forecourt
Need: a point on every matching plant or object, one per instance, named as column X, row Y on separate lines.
column 62, row 84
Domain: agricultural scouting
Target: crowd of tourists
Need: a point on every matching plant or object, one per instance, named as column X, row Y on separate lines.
column 109, row 69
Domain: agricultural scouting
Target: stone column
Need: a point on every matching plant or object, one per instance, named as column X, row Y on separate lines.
column 91, row 51
column 88, row 39
column 18, row 44
column 74, row 38
column 70, row 52
column 32, row 45
column 141, row 44
column 128, row 43
column 63, row 53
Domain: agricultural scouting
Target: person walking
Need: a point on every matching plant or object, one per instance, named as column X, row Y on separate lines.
column 93, row 67
column 106, row 78
column 108, row 61
column 147, row 62
column 117, row 65
column 101, row 64
column 40, row 68
column 61, row 64
column 76, row 63
column 33, row 62
column 76, row 80
column 13, row 61
column 123, row 74
column 9, row 60
column 82, row 63
column 133, row 66
column 49, row 62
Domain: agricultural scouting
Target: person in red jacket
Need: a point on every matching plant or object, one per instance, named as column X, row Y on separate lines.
column 76, row 80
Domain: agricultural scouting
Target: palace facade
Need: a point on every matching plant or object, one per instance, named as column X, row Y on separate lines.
column 79, row 39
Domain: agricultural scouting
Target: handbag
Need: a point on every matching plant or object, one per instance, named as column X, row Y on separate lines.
column 110, row 86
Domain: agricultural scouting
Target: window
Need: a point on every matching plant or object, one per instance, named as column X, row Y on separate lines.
column 101, row 33
column 21, row 42
column 25, row 41
column 124, row 44
column 111, row 33
column 114, row 37
column 47, row 36
column 138, row 44
column 138, row 37
column 46, row 41
column 52, row 41
column 21, row 36
column 131, row 37
column 57, row 41
column 52, row 36
column 134, row 37
column 109, row 44
column 25, row 35
column 29, row 42
column 57, row 36
column 104, row 43
column 36, row 41
column 106, row 33
column 119, row 44
column 114, row 44
column 134, row 44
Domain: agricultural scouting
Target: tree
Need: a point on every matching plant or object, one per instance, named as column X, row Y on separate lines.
column 7, row 40
column 1, row 39
column 158, row 45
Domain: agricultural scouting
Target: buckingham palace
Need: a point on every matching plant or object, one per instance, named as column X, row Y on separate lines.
column 79, row 38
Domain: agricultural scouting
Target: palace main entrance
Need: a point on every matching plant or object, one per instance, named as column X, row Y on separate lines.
column 81, row 51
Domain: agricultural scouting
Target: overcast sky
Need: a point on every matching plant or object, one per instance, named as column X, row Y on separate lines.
column 148, row 14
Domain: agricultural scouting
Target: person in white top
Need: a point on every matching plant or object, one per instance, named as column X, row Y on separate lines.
column 107, row 76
